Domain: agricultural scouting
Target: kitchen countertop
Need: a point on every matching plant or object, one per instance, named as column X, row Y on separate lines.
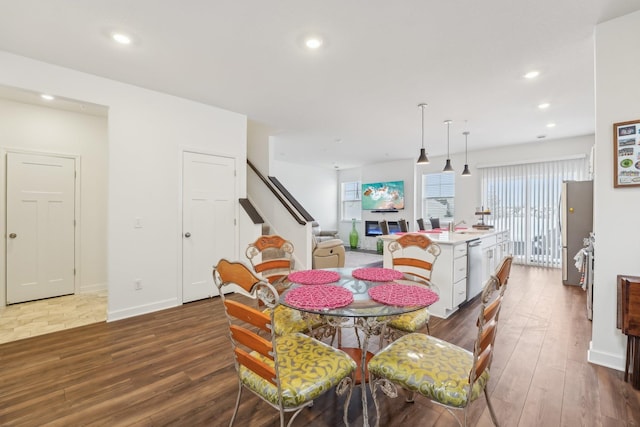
column 447, row 238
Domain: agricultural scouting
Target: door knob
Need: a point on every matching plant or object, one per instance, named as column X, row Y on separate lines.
column 13, row 235
column 187, row 235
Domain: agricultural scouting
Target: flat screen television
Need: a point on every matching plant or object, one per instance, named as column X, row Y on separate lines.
column 383, row 196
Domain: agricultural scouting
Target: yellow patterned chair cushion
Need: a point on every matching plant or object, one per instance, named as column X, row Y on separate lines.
column 308, row 368
column 288, row 321
column 434, row 368
column 410, row 322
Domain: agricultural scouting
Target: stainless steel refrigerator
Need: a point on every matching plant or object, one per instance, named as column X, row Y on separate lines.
column 576, row 222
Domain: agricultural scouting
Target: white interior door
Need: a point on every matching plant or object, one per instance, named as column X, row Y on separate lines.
column 208, row 228
column 40, row 233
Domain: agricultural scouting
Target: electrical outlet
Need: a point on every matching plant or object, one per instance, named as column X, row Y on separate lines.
column 137, row 284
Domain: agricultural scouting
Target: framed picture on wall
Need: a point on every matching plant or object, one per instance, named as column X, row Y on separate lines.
column 626, row 154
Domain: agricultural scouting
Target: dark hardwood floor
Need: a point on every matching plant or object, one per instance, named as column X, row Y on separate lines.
column 174, row 368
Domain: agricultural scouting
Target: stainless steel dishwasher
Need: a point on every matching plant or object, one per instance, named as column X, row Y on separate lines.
column 474, row 268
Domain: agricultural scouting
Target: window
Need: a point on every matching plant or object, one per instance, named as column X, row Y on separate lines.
column 351, row 205
column 438, row 195
column 525, row 199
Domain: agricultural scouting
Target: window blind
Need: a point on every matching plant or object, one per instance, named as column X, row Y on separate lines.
column 351, row 203
column 525, row 199
column 438, row 195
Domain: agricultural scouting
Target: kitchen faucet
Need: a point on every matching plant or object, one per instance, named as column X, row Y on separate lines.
column 452, row 225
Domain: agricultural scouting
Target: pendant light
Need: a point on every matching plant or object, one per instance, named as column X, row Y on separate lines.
column 447, row 166
column 423, row 159
column 466, row 171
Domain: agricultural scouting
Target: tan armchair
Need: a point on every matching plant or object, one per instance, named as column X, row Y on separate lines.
column 328, row 254
column 323, row 235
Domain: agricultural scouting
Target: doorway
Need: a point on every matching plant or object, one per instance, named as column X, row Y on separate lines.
column 41, row 218
column 62, row 128
column 208, row 220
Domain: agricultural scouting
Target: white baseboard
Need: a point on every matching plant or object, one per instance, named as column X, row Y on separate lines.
column 142, row 309
column 608, row 360
column 93, row 288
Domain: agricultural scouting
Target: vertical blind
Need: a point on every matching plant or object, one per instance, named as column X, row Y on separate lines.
column 525, row 199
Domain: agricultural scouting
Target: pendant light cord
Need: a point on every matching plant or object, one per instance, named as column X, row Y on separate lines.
column 448, row 125
column 422, row 108
column 466, row 155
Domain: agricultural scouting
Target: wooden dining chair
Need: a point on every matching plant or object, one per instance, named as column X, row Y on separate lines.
column 503, row 270
column 288, row 372
column 420, row 222
column 384, row 227
column 404, row 227
column 442, row 372
column 271, row 257
column 414, row 255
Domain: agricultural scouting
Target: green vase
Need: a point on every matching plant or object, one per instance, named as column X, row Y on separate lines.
column 380, row 246
column 353, row 236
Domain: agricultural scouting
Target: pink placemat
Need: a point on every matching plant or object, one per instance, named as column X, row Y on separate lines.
column 376, row 274
column 314, row 277
column 402, row 295
column 431, row 231
column 318, row 297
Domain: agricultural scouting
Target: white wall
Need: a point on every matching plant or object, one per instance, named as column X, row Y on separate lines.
column 258, row 145
column 147, row 133
column 280, row 221
column 616, row 209
column 260, row 148
column 397, row 170
column 315, row 188
column 47, row 130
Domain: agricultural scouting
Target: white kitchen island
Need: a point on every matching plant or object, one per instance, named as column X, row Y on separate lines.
column 451, row 270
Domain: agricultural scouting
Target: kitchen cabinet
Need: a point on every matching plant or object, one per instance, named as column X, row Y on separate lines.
column 499, row 251
column 450, row 276
column 450, row 271
column 494, row 248
column 488, row 244
column 503, row 246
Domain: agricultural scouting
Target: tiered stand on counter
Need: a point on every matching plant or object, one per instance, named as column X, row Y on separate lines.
column 481, row 224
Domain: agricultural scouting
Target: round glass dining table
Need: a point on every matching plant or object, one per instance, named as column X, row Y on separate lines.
column 363, row 313
column 363, row 305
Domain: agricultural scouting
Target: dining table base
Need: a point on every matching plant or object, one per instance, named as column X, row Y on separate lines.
column 356, row 354
column 366, row 316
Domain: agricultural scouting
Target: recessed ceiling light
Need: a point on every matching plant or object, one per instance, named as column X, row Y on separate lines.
column 551, row 125
column 532, row 74
column 313, row 42
column 47, row 97
column 544, row 105
column 121, row 38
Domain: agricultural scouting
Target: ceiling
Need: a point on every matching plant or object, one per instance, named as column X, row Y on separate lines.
column 354, row 100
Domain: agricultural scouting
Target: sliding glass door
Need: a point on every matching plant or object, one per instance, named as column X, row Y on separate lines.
column 525, row 199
